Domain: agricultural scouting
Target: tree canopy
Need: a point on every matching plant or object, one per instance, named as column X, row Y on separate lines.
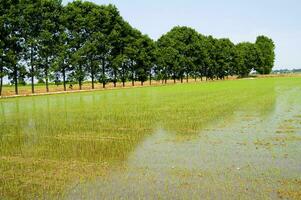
column 46, row 41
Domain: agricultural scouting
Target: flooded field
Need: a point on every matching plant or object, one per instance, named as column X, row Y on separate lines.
column 222, row 140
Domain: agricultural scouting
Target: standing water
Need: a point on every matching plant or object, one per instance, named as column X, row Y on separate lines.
column 223, row 140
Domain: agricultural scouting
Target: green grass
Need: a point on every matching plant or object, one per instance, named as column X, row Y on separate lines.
column 51, row 144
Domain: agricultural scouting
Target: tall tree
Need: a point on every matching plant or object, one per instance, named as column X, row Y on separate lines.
column 96, row 44
column 248, row 56
column 266, row 47
column 63, row 60
column 200, row 57
column 185, row 41
column 14, row 41
column 49, row 36
column 145, row 59
column 3, row 44
column 225, row 55
column 83, row 40
column 139, row 54
column 31, row 11
column 210, row 69
column 103, row 49
column 79, row 27
column 168, row 60
column 120, row 37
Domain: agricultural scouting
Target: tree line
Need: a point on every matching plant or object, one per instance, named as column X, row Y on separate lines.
column 46, row 41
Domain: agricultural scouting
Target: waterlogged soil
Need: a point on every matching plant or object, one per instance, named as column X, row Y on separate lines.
column 225, row 140
column 250, row 155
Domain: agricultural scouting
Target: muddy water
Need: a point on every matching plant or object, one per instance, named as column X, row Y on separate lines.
column 252, row 155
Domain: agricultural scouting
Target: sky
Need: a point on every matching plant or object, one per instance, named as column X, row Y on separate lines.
column 238, row 20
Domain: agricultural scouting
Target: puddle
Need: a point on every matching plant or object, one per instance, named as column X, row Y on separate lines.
column 236, row 160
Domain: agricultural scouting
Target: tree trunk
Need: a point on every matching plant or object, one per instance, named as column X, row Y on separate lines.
column 115, row 78
column 92, row 77
column 141, row 83
column 64, row 78
column 92, row 74
column 46, row 77
column 16, row 80
column 80, row 78
column 32, row 70
column 187, row 77
column 150, row 78
column 1, row 84
column 103, row 74
column 181, row 79
column 165, row 80
column 80, row 84
column 133, row 76
column 1, row 78
column 123, row 76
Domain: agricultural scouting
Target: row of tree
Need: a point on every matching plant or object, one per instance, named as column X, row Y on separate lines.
column 46, row 41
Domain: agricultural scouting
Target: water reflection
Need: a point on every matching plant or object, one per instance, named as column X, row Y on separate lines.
column 223, row 161
column 73, row 126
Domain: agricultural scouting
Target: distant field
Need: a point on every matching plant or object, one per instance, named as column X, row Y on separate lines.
column 222, row 140
column 41, row 88
column 9, row 90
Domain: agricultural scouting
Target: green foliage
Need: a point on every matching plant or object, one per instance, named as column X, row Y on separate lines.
column 267, row 54
column 184, row 43
column 248, row 58
column 42, row 39
column 225, row 58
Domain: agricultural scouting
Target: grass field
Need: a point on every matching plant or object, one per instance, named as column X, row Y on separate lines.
column 229, row 139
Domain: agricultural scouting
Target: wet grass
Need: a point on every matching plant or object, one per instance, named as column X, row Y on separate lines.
column 50, row 145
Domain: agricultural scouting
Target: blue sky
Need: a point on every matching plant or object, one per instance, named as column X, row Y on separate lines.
column 239, row 20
